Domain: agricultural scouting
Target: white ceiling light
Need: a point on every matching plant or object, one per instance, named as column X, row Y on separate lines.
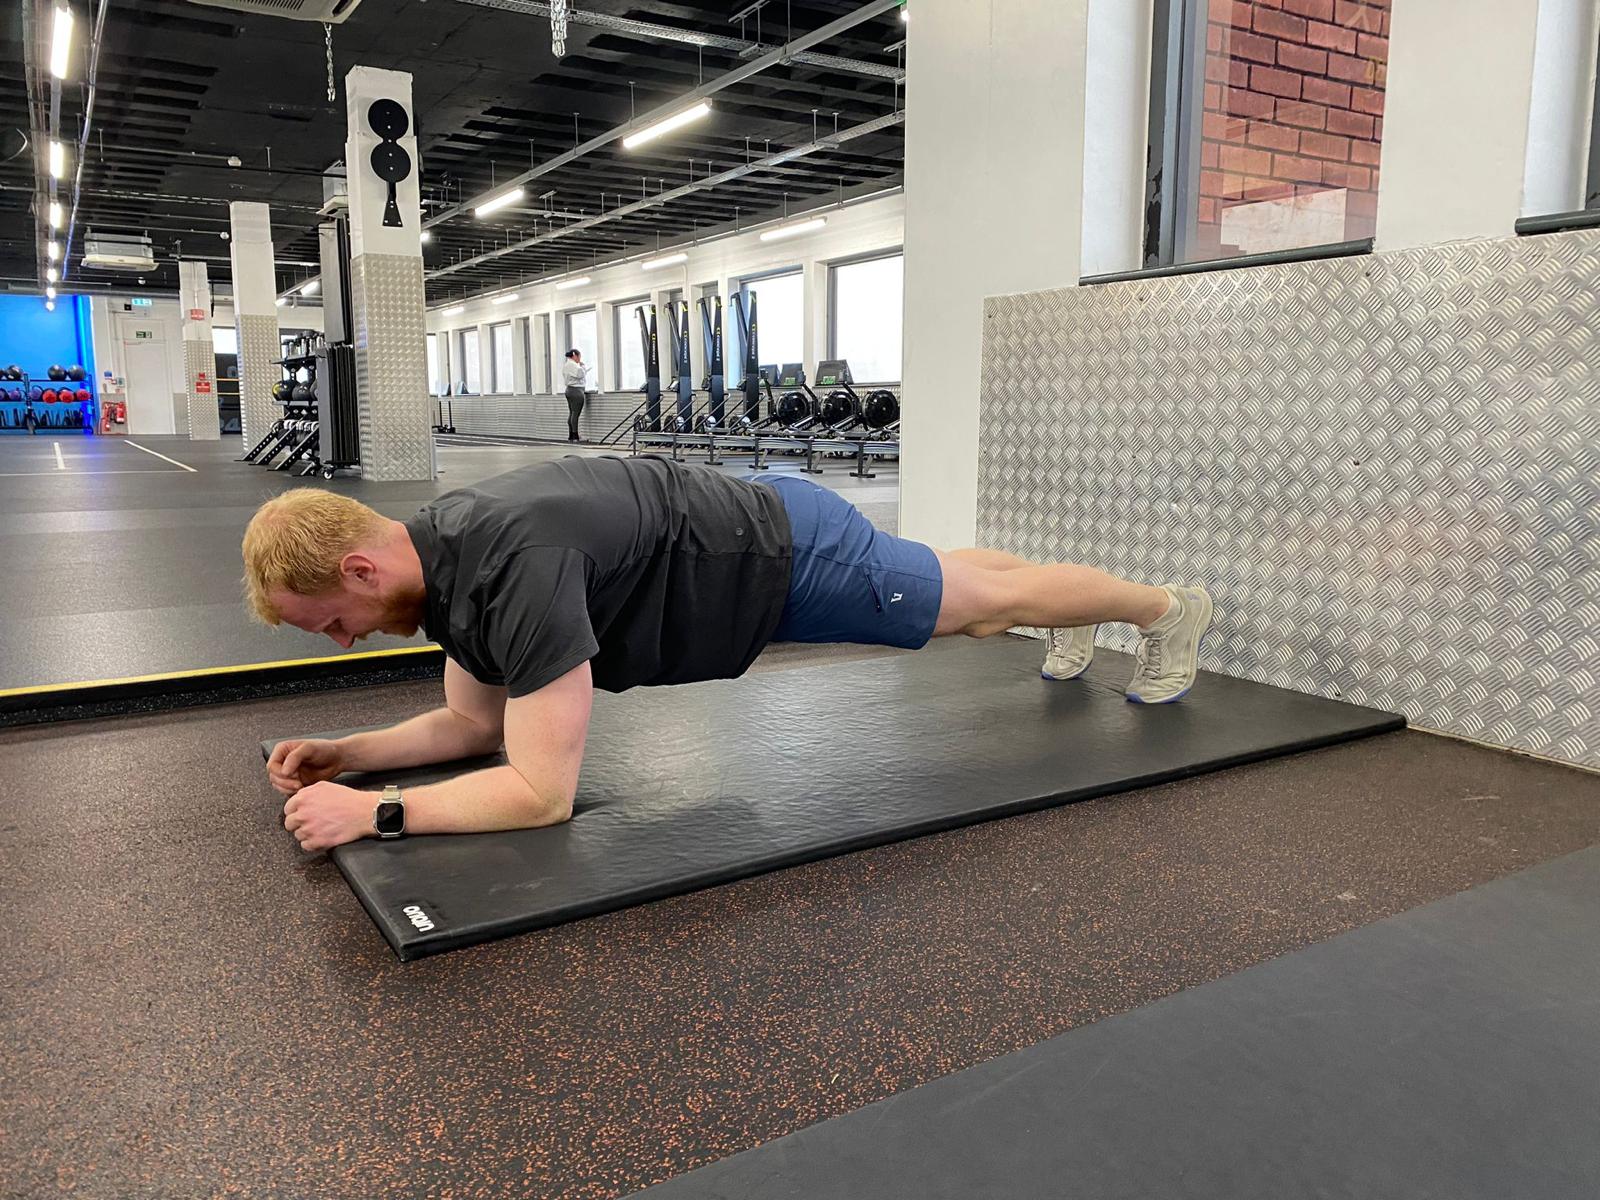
column 905, row 14
column 55, row 215
column 505, row 299
column 281, row 301
column 427, row 236
column 503, row 200
column 52, row 274
column 454, row 312
column 310, row 289
column 669, row 260
column 52, row 250
column 666, row 125
column 795, row 230
column 61, row 42
column 49, row 306
column 58, row 160
column 572, row 283
column 50, row 292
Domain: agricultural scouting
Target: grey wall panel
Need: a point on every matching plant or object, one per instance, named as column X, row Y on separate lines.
column 390, row 340
column 1387, row 470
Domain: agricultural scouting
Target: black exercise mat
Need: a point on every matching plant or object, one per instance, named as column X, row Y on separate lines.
column 696, row 785
column 1449, row 1053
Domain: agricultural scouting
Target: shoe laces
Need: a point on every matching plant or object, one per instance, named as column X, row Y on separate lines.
column 1058, row 642
column 1149, row 653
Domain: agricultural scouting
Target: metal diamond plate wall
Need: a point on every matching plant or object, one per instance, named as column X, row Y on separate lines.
column 1386, row 469
column 391, row 367
column 259, row 352
column 200, row 369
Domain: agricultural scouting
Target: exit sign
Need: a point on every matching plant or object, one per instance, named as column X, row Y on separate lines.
column 142, row 302
column 140, row 334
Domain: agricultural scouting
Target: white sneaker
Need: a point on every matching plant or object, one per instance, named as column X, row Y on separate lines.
column 1169, row 650
column 1070, row 653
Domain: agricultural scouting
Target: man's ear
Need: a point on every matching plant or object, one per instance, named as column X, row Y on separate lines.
column 358, row 569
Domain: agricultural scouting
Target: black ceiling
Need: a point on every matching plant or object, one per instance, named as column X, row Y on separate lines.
column 182, row 86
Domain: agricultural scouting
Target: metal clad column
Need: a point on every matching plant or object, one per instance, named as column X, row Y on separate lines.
column 386, row 292
column 255, row 316
column 199, row 352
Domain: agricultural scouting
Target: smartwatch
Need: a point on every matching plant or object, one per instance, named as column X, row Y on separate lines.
column 389, row 818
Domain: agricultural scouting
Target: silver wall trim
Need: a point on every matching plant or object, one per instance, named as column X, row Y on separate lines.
column 1387, row 469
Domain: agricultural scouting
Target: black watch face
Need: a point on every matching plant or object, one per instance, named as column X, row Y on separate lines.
column 391, row 817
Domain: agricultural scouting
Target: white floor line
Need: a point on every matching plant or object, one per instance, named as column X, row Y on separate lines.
column 57, row 474
column 162, row 457
column 61, row 464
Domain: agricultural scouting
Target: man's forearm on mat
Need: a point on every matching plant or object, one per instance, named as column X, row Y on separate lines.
column 484, row 801
column 434, row 737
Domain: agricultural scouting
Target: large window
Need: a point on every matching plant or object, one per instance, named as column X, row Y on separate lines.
column 468, row 374
column 583, row 335
column 866, row 317
column 500, row 358
column 780, row 321
column 1266, row 121
column 433, row 364
column 549, row 360
column 630, row 345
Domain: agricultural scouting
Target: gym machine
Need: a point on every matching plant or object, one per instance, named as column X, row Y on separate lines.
column 652, row 368
column 716, row 372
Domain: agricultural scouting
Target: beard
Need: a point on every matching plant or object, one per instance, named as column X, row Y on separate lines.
column 402, row 614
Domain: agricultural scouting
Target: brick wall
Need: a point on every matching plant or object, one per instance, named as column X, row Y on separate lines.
column 1293, row 117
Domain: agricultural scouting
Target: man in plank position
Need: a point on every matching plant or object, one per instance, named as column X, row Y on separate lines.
column 553, row 580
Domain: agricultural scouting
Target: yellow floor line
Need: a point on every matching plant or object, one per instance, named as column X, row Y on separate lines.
column 208, row 672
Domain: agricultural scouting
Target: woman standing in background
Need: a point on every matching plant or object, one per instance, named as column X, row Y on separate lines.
column 573, row 373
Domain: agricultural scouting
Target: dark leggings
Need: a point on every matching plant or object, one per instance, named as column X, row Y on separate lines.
column 574, row 410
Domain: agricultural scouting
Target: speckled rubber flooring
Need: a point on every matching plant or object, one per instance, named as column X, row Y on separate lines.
column 190, row 1007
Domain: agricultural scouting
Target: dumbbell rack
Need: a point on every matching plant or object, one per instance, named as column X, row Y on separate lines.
column 296, row 435
column 31, row 416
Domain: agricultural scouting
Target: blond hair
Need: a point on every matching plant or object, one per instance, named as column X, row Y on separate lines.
column 296, row 541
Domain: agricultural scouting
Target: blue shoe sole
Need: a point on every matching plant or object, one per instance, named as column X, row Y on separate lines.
column 1168, row 700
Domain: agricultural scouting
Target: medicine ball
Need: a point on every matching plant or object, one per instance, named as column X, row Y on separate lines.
column 57, row 374
column 281, row 390
column 304, row 393
column 13, row 373
column 36, row 392
column 76, row 373
column 49, row 396
column 83, row 395
column 881, row 409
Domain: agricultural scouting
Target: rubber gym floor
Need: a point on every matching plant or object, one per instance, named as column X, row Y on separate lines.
column 194, row 1008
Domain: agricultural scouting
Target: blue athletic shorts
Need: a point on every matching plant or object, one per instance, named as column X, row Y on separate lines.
column 850, row 581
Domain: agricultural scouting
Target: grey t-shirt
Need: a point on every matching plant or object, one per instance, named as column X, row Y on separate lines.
column 653, row 571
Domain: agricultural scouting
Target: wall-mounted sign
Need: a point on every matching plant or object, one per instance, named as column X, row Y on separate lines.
column 197, row 314
column 144, row 333
column 141, row 302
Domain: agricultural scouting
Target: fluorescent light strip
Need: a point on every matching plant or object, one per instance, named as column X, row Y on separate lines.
column 572, row 283
column 426, row 236
column 310, row 288
column 61, row 42
column 281, row 301
column 795, row 230
column 454, row 312
column 49, row 306
column 905, row 14
column 666, row 125
column 52, row 274
column 58, row 160
column 503, row 200
column 669, row 260
column 52, row 250
column 506, row 299
column 50, row 292
column 55, row 215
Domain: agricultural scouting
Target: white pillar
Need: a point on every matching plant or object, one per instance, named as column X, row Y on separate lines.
column 1455, row 125
column 255, row 316
column 994, row 104
column 1562, row 107
column 386, row 292
column 199, row 352
column 814, row 324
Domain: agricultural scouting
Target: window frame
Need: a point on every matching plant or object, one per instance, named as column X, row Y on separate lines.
column 495, row 382
column 735, row 361
column 566, row 330
column 461, row 349
column 833, row 302
column 618, row 308
column 1173, row 163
